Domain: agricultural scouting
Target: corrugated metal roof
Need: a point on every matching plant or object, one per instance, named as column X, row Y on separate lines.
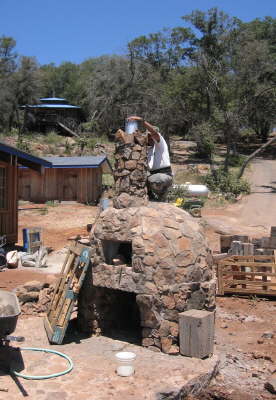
column 76, row 162
column 27, row 160
column 23, row 158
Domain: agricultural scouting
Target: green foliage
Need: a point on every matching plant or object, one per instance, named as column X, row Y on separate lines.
column 89, row 126
column 14, row 131
column 23, row 144
column 236, row 160
column 52, row 138
column 52, row 203
column 87, row 143
column 221, row 182
column 203, row 134
column 176, row 192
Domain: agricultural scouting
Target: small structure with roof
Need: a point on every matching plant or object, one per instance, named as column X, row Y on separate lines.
column 52, row 113
column 65, row 179
column 10, row 159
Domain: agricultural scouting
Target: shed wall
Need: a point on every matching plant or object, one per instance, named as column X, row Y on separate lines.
column 83, row 185
column 9, row 215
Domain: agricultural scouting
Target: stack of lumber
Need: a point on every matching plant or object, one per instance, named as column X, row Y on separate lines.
column 254, row 274
column 243, row 245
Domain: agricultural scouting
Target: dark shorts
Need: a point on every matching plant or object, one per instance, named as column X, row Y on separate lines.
column 159, row 181
column 166, row 170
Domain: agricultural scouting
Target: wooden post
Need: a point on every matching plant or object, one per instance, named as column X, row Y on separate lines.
column 196, row 333
column 225, row 243
column 220, row 285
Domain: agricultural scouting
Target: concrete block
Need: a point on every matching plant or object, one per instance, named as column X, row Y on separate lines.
column 265, row 242
column 236, row 248
column 248, row 249
column 272, row 242
column 273, row 231
column 196, row 333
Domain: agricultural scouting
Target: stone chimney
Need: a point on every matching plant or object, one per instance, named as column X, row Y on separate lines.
column 130, row 172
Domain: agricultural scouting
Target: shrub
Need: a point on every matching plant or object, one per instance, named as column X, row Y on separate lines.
column 176, row 192
column 23, row 144
column 204, row 136
column 236, row 160
column 52, row 138
column 220, row 181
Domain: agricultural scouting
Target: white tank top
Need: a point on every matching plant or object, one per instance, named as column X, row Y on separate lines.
column 158, row 155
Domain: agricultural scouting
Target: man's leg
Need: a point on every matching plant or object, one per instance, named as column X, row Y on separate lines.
column 158, row 185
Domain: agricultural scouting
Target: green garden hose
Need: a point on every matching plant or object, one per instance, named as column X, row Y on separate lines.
column 46, row 376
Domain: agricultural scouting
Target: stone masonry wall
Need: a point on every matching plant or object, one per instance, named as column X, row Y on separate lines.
column 130, row 171
column 170, row 271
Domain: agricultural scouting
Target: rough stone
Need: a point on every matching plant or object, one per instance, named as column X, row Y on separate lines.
column 270, row 385
column 33, row 286
column 28, row 297
column 166, row 269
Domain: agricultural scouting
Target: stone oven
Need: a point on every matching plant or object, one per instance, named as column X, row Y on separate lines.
column 149, row 263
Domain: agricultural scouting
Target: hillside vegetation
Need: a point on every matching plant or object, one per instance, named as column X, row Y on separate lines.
column 211, row 80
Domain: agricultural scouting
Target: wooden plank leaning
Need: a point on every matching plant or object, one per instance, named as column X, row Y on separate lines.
column 66, row 292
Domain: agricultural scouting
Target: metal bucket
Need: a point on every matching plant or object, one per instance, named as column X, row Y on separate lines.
column 131, row 126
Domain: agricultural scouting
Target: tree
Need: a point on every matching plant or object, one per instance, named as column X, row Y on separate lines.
column 257, row 74
column 8, row 55
column 26, row 86
column 8, row 58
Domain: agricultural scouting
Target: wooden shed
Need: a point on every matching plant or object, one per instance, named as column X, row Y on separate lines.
column 66, row 179
column 10, row 159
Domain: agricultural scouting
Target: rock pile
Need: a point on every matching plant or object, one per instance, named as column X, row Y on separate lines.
column 34, row 297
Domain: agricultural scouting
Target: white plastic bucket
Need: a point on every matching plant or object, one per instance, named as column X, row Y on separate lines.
column 125, row 361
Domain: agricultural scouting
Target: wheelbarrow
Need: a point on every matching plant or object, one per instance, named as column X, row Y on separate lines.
column 9, row 312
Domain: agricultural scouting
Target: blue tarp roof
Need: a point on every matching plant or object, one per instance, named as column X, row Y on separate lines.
column 52, row 99
column 51, row 106
column 52, row 102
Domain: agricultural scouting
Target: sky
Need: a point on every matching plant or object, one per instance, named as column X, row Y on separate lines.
column 55, row 31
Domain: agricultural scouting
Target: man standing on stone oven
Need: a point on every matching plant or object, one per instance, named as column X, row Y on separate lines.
column 160, row 172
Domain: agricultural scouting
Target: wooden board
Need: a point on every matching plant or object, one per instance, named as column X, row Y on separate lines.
column 9, row 214
column 66, row 292
column 196, row 333
column 247, row 274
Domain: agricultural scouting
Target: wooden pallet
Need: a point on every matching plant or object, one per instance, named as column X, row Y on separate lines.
column 66, row 292
column 254, row 275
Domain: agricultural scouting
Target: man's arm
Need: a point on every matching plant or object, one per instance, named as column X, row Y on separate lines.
column 153, row 132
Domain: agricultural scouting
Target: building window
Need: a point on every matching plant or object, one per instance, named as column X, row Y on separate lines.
column 3, row 187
